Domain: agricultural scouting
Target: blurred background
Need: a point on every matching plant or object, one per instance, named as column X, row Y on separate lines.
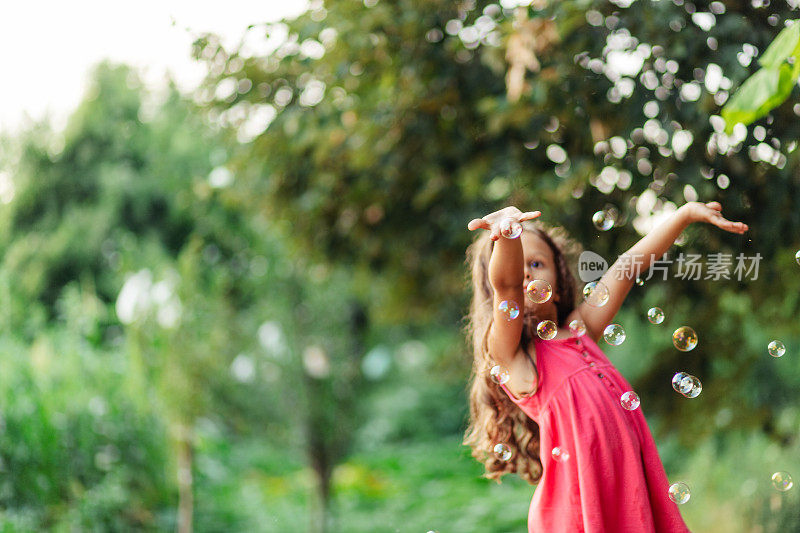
column 237, row 304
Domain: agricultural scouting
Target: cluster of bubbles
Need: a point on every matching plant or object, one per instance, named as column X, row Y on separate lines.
column 546, row 329
column 684, row 339
column 509, row 309
column 596, row 293
column 776, row 349
column 687, row 384
column 560, row 454
column 655, row 315
column 629, row 400
column 614, row 334
column 510, row 228
column 539, row 291
column 679, row 492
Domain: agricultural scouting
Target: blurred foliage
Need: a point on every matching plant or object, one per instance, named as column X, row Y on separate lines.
column 392, row 129
column 281, row 270
column 390, row 126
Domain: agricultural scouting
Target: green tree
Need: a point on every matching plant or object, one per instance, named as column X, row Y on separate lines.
column 390, row 125
column 120, row 231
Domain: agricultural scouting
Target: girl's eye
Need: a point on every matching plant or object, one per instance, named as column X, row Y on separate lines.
column 535, row 264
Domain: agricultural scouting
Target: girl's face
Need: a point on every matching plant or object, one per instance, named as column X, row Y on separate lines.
column 539, row 264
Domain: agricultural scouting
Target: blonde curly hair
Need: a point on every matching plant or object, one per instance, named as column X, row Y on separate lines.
column 493, row 417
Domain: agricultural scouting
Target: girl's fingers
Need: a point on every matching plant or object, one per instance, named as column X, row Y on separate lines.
column 715, row 206
column 482, row 223
column 478, row 223
column 734, row 227
column 529, row 215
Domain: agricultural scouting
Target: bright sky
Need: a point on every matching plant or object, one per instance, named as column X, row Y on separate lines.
column 48, row 47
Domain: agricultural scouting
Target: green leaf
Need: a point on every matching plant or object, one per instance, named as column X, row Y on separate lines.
column 760, row 94
column 784, row 45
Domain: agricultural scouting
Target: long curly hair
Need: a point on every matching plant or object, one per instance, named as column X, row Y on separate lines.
column 494, row 418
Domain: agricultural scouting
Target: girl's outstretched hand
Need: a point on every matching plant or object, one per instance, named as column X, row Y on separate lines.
column 711, row 213
column 492, row 221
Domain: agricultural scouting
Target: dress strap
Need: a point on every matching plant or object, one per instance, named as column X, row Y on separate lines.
column 509, row 393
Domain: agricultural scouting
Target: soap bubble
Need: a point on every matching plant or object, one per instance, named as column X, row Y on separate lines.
column 560, row 454
column 797, row 257
column 782, row 481
column 499, row 374
column 684, row 338
column 509, row 309
column 502, row 452
column 682, row 382
column 776, row 348
column 655, row 315
column 596, row 293
column 546, row 329
column 510, row 228
column 539, row 291
column 696, row 388
column 603, row 220
column 629, row 400
column 614, row 334
column 577, row 327
column 679, row 492
column 639, row 281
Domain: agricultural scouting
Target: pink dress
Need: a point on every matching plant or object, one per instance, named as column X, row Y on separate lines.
column 613, row 480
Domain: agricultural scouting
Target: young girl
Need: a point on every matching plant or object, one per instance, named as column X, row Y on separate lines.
column 560, row 413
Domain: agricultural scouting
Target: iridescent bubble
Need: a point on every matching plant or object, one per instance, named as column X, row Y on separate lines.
column 639, row 281
column 499, row 374
column 776, row 348
column 782, row 481
column 696, row 388
column 510, row 228
column 502, row 452
column 655, row 315
column 682, row 382
column 797, row 257
column 596, row 293
column 614, row 334
column 684, row 338
column 603, row 220
column 629, row 400
column 539, row 291
column 509, row 309
column 546, row 329
column 577, row 327
column 612, row 212
column 679, row 492
column 560, row 454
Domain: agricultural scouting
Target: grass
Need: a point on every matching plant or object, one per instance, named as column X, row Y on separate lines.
column 437, row 486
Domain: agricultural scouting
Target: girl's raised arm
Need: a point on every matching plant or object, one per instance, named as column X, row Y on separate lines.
column 506, row 276
column 620, row 277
